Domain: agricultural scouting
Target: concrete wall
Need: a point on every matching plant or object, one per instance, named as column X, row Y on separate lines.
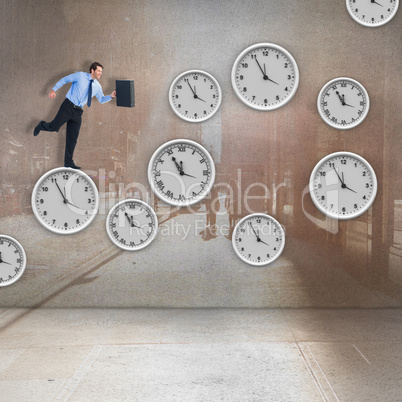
column 325, row 262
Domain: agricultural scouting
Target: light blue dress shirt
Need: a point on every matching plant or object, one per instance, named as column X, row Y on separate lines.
column 78, row 92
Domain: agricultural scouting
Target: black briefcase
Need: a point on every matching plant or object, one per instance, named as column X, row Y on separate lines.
column 125, row 93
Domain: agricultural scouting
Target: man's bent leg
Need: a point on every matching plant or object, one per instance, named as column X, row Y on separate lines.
column 62, row 116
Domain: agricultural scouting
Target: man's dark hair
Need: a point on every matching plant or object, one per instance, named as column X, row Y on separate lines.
column 94, row 66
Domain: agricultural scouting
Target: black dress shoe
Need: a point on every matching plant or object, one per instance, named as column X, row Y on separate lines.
column 37, row 129
column 72, row 165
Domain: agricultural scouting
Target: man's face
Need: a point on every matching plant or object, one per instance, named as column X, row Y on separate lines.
column 97, row 73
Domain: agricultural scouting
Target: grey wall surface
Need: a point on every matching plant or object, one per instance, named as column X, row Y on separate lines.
column 268, row 155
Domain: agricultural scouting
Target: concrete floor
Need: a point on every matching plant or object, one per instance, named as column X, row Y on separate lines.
column 200, row 354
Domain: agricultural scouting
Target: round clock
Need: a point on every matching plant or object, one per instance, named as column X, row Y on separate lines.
column 65, row 200
column 343, row 103
column 195, row 95
column 372, row 13
column 258, row 239
column 181, row 172
column 265, row 76
column 343, row 185
column 12, row 260
column 132, row 224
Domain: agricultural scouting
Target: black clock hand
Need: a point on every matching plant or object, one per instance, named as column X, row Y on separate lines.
column 373, row 1
column 264, row 75
column 66, row 201
column 194, row 92
column 345, row 186
column 342, row 99
column 339, row 177
column 64, row 198
column 196, row 96
column 182, row 171
column 130, row 221
column 256, row 235
column 179, row 168
column 4, row 262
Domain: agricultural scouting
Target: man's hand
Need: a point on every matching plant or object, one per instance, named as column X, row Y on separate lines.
column 52, row 94
column 113, row 94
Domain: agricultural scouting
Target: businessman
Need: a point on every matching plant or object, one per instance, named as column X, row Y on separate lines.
column 84, row 87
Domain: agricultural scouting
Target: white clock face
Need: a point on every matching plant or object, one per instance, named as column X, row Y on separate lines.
column 258, row 239
column 343, row 103
column 265, row 76
column 181, row 172
column 132, row 224
column 343, row 185
column 372, row 13
column 195, row 96
column 12, row 260
column 65, row 200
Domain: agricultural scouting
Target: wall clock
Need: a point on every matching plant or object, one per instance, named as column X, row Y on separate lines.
column 195, row 96
column 12, row 260
column 343, row 103
column 265, row 76
column 65, row 200
column 258, row 239
column 132, row 224
column 343, row 185
column 181, row 172
column 372, row 13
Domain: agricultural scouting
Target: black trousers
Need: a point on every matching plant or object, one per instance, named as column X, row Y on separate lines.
column 72, row 115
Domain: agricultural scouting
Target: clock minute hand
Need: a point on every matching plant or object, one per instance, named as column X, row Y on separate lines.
column 61, row 192
column 179, row 168
column 339, row 177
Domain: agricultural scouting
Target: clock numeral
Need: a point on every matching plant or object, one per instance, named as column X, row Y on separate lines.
column 169, row 194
